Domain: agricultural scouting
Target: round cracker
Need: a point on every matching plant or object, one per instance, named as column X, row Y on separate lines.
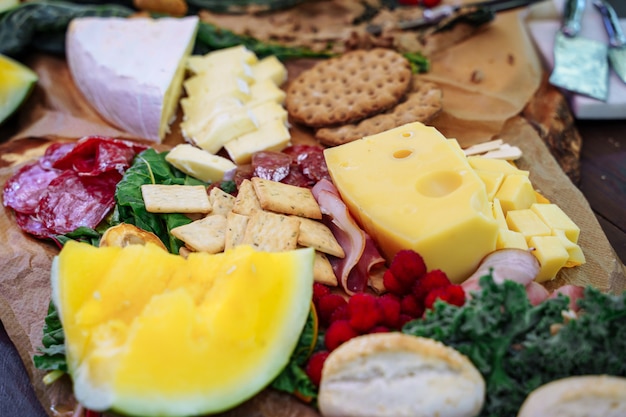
column 349, row 87
column 421, row 104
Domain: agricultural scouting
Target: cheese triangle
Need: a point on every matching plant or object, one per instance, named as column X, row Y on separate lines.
column 131, row 70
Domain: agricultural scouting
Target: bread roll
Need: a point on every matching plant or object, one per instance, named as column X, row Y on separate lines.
column 578, row 396
column 398, row 375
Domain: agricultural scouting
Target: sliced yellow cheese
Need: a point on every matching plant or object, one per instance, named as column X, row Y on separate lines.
column 555, row 217
column 199, row 163
column 516, row 193
column 550, row 253
column 271, row 136
column 212, row 87
column 498, row 214
column 224, row 58
column 492, row 179
column 576, row 255
column 509, row 239
column 131, row 70
column 270, row 68
column 264, row 91
column 527, row 223
column 409, row 188
column 224, row 127
column 200, row 110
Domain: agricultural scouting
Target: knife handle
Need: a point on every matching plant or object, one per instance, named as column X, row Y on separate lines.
column 611, row 23
column 572, row 17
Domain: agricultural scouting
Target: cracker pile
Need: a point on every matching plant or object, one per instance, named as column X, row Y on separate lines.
column 269, row 215
column 360, row 93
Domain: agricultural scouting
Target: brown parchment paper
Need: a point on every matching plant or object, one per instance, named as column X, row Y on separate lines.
column 474, row 112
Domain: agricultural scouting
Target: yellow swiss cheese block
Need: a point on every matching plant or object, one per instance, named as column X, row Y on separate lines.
column 410, row 188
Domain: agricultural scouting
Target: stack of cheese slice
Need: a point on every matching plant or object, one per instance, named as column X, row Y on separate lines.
column 234, row 101
column 131, row 70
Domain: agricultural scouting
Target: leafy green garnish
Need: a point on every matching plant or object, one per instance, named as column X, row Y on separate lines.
column 211, row 37
column 513, row 345
column 41, row 25
column 150, row 167
column 293, row 379
column 52, row 355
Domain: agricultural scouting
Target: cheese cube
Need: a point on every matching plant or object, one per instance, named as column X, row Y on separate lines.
column 199, row 163
column 508, row 239
column 221, row 58
column 555, row 217
column 497, row 165
column 516, row 193
column 230, row 85
column 576, row 255
column 269, row 111
column 498, row 214
column 527, row 223
column 550, row 253
column 264, row 91
column 422, row 195
column 272, row 135
column 225, row 127
column 198, row 111
column 270, row 68
column 492, row 180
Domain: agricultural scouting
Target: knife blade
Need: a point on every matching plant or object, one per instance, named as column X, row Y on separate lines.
column 617, row 40
column 580, row 65
column 432, row 16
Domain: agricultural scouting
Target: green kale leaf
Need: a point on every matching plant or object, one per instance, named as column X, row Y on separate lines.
column 514, row 345
column 52, row 355
column 150, row 167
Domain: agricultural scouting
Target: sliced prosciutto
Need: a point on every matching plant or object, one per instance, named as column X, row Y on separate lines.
column 71, row 185
column 362, row 256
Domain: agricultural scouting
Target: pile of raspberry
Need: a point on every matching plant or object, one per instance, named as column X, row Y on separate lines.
column 411, row 290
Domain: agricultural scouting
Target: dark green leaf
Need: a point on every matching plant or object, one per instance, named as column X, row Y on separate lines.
column 41, row 25
column 52, row 356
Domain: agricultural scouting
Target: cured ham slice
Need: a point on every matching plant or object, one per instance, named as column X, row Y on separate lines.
column 361, row 253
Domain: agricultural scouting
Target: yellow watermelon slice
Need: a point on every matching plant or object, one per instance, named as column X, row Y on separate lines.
column 16, row 83
column 154, row 334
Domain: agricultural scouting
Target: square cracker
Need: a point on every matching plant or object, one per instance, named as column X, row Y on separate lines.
column 160, row 198
column 272, row 232
column 221, row 201
column 284, row 198
column 323, row 270
column 317, row 235
column 246, row 202
column 235, row 229
column 204, row 235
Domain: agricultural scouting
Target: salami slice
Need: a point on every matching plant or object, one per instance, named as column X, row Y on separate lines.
column 310, row 160
column 24, row 189
column 71, row 201
column 271, row 165
column 94, row 155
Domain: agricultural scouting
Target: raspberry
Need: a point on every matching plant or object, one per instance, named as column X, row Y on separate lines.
column 315, row 365
column 407, row 266
column 404, row 319
column 380, row 329
column 337, row 333
column 319, row 290
column 326, row 305
column 412, row 306
column 363, row 312
column 452, row 294
column 392, row 284
column 433, row 279
column 340, row 313
column 389, row 306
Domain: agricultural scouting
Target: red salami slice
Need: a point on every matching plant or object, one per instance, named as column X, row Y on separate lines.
column 71, row 201
column 271, row 165
column 94, row 155
column 31, row 224
column 310, row 160
column 24, row 189
column 54, row 152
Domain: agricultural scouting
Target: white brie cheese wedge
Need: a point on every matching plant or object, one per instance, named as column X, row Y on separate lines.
column 131, row 69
